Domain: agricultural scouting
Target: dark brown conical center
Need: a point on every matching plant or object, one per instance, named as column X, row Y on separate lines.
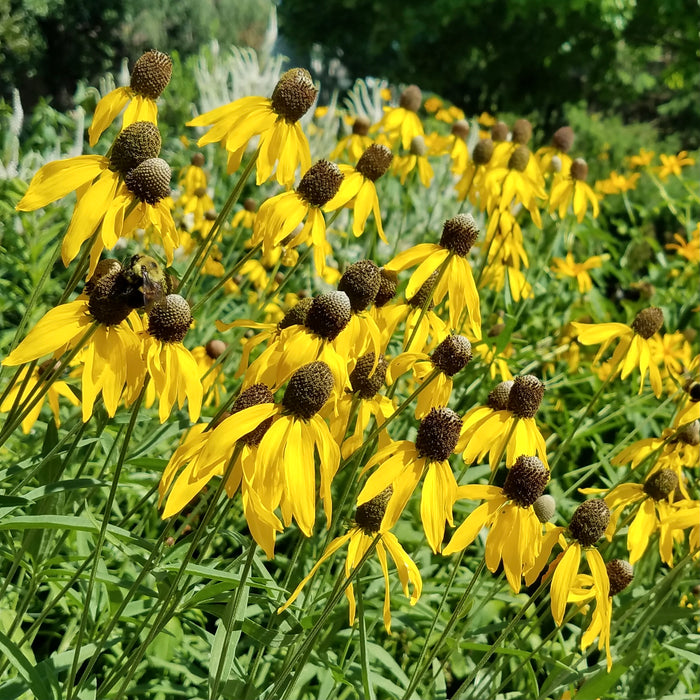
column 374, row 162
column 460, row 129
column 308, row 390
column 661, row 484
column 107, row 303
column 525, row 396
column 620, row 574
column 459, row 234
column 197, row 160
column 424, row 293
column 693, row 389
column 563, row 139
column 151, row 74
column 253, row 396
column 170, row 319
column 411, row 98
column 579, row 170
column 544, row 507
column 361, row 125
column 499, row 131
column 329, row 314
column 498, row 398
column 249, row 204
column 452, row 354
column 150, row 180
column 589, row 521
column 368, row 516
column 138, row 142
column 648, row 322
column 320, row 183
column 294, row 94
column 361, row 283
column 296, row 316
column 366, row 385
column 215, row 348
column 108, row 268
column 526, row 480
column 519, row 159
column 483, row 151
column 522, row 131
column 438, row 434
column 689, row 434
column 388, row 281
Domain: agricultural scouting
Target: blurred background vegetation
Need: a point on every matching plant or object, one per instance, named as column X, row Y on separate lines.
column 636, row 59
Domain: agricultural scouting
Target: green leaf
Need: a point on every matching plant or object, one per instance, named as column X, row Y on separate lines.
column 36, row 682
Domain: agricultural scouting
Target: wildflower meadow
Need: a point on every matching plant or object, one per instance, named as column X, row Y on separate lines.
column 355, row 396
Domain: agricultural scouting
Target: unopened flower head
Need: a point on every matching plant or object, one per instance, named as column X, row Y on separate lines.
column 308, row 390
column 361, row 283
column 151, row 74
column 545, row 507
column 526, row 480
column 215, row 348
column 589, row 521
column 438, row 434
column 418, row 146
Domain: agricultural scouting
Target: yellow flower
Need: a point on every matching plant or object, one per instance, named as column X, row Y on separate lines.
column 617, row 184
column 569, row 268
column 194, row 177
column 173, row 370
column 275, row 120
column 641, row 160
column 356, row 143
column 402, row 464
column 402, row 122
column 506, row 425
column 458, row 236
column 416, row 158
column 473, row 180
column 633, row 350
column 689, row 249
column 556, row 158
column 515, row 531
column 672, row 165
column 25, row 387
column 370, row 526
column 245, row 217
column 115, row 195
column 210, row 372
column 281, row 214
column 574, row 190
column 150, row 76
column 358, row 189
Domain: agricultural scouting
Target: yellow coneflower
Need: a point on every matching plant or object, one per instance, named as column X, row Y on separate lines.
column 402, row 123
column 370, row 525
column 359, row 191
column 194, row 177
column 356, row 143
column 569, row 268
column 23, row 388
column 210, row 373
column 471, row 184
column 149, row 77
column 281, row 214
column 557, row 153
column 275, row 120
column 245, row 217
column 506, row 425
column 458, row 236
column 449, row 357
column 111, row 357
column 170, row 364
column 573, row 190
column 633, row 349
column 415, row 159
column 404, row 463
column 515, row 530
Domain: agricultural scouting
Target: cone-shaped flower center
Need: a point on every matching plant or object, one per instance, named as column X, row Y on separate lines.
column 411, row 98
column 526, row 481
column 563, row 139
column 438, row 434
column 589, row 521
column 170, row 319
column 294, row 94
column 452, row 354
column 107, row 303
column 579, row 170
column 252, row 396
column 215, row 348
column 498, row 398
column 136, row 143
column 544, row 507
column 522, row 131
column 361, row 283
column 693, row 389
column 151, row 74
column 660, row 484
column 308, row 390
column 689, row 434
column 368, row 516
column 525, row 396
column 460, row 129
column 320, row 183
column 197, row 160
column 329, row 314
column 519, row 159
column 374, row 162
column 499, row 131
column 249, row 204
column 149, row 180
column 418, row 146
column 296, row 316
column 483, row 151
column 620, row 573
column 361, row 125
column 388, row 281
column 364, row 383
column 459, row 234
column 424, row 293
column 648, row 321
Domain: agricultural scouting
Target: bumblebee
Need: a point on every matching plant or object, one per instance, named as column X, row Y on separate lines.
column 146, row 282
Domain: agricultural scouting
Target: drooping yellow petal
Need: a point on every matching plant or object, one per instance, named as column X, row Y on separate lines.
column 106, row 112
column 563, row 579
